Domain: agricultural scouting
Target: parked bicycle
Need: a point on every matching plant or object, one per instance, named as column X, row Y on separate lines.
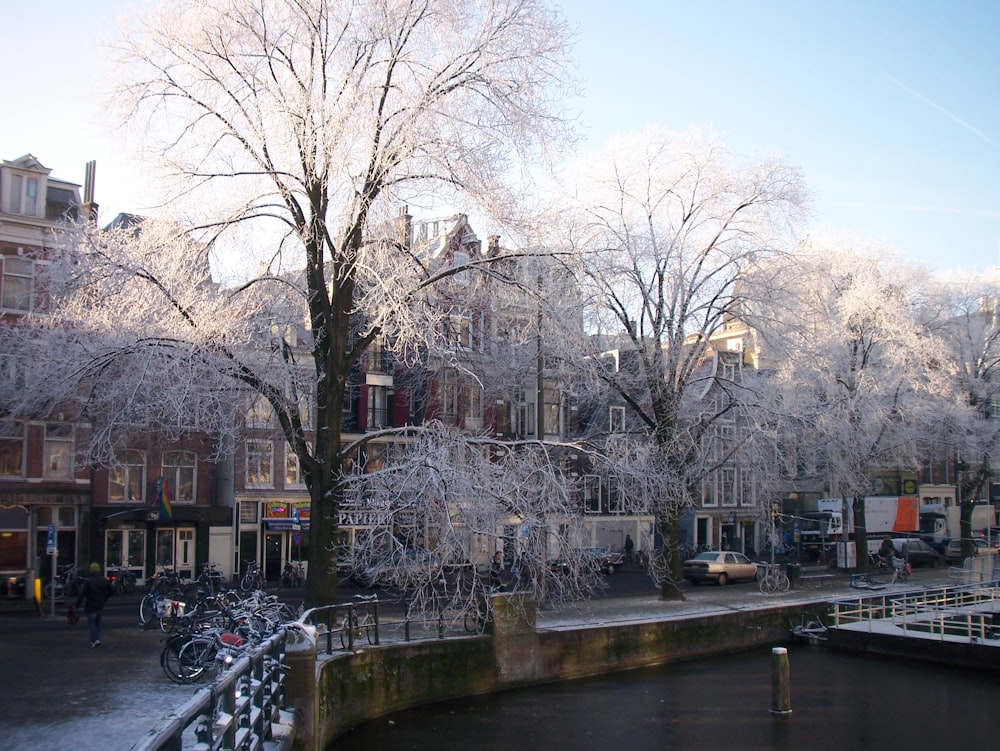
column 773, row 580
column 167, row 583
column 252, row 578
column 362, row 621
column 291, row 575
column 155, row 609
column 123, row 580
column 211, row 578
column 68, row 581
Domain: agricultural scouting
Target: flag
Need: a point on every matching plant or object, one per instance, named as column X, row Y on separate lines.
column 163, row 494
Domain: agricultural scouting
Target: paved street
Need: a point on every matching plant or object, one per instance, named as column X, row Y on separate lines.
column 58, row 693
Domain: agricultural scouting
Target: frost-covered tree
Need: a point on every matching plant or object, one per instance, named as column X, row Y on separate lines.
column 847, row 355
column 662, row 227
column 963, row 419
column 291, row 132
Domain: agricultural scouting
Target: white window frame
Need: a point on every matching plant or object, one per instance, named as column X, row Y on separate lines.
column 180, row 469
column 293, row 470
column 18, row 273
column 616, row 419
column 13, row 436
column 259, row 464
column 127, row 478
column 58, row 452
column 260, row 414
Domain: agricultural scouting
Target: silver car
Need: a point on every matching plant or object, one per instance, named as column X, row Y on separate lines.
column 719, row 566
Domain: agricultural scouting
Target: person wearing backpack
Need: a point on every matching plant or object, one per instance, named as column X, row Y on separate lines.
column 96, row 591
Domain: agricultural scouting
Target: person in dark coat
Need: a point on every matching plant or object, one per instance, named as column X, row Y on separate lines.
column 96, row 591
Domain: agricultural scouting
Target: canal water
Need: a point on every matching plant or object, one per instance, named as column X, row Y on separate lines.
column 840, row 702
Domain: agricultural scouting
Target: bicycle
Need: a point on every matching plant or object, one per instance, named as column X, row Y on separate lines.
column 361, row 621
column 252, row 579
column 901, row 570
column 164, row 611
column 69, row 581
column 291, row 575
column 774, row 579
column 123, row 580
column 476, row 616
column 210, row 577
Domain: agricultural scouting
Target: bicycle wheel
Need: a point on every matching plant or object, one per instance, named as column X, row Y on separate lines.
column 147, row 609
column 475, row 620
column 170, row 658
column 768, row 585
column 55, row 589
column 194, row 658
column 784, row 583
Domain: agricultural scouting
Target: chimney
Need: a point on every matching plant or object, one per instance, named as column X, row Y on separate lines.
column 404, row 227
column 89, row 207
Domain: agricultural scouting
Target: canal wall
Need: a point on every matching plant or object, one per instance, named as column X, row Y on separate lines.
column 333, row 694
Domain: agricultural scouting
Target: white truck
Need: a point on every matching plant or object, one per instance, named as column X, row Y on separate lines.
column 940, row 523
column 826, row 529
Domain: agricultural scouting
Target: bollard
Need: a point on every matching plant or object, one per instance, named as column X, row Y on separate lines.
column 781, row 693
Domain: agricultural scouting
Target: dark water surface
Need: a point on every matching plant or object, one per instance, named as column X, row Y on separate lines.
column 840, row 702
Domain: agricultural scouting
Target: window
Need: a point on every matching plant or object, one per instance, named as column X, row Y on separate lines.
column 474, row 407
column 260, row 413
column 616, row 419
column 378, row 413
column 11, row 448
column 550, row 416
column 179, row 472
column 23, row 198
column 17, row 283
column 128, row 478
column 58, row 452
column 460, row 332
column 259, row 463
column 293, row 473
column 591, row 494
column 449, row 396
column 727, row 489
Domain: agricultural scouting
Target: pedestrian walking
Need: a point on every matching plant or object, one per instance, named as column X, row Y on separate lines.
column 96, row 591
column 629, row 550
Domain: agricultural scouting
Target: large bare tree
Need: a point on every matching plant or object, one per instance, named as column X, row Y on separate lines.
column 663, row 227
column 291, row 132
column 847, row 356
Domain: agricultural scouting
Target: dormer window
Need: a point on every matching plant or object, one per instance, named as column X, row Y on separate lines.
column 22, row 197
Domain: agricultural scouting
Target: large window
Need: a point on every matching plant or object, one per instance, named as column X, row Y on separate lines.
column 260, row 460
column 17, row 284
column 11, row 448
column 260, row 414
column 179, row 472
column 449, row 396
column 128, row 478
column 378, row 412
column 293, row 470
column 58, row 451
column 23, row 196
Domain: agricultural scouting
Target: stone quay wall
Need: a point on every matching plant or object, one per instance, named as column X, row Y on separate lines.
column 334, row 694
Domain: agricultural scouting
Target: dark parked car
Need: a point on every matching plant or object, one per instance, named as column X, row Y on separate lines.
column 719, row 566
column 917, row 552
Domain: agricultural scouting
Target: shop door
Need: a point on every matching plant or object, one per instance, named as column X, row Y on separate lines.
column 273, row 548
column 175, row 550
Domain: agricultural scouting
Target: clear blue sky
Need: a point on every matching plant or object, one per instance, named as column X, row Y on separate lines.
column 891, row 109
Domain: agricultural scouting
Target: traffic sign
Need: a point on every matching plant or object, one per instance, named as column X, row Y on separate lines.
column 50, row 540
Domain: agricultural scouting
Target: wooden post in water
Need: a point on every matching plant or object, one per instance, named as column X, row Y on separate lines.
column 781, row 692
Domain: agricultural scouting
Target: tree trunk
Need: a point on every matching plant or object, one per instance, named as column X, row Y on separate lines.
column 670, row 587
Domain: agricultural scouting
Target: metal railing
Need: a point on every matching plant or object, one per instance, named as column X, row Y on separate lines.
column 966, row 612
column 241, row 709
column 342, row 626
